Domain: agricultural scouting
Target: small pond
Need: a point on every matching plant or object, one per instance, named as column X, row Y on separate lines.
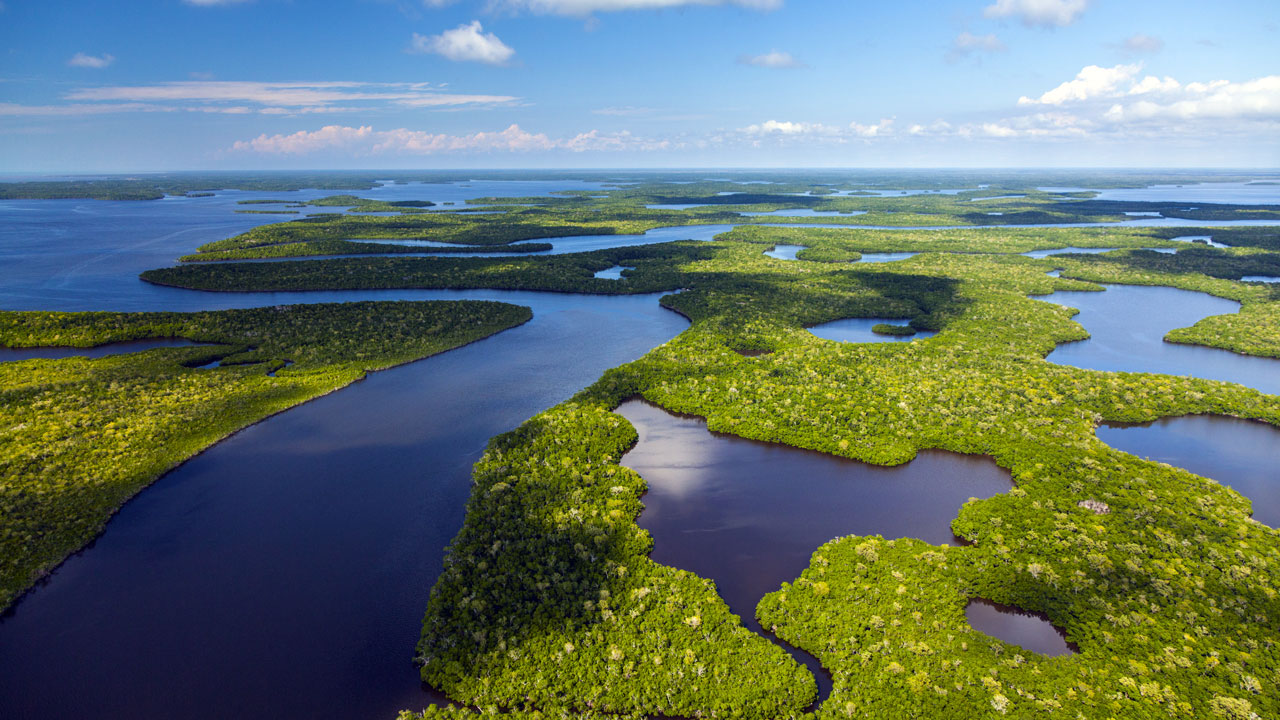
column 784, row 252
column 1028, row 630
column 613, row 273
column 858, row 330
column 1242, row 454
column 884, row 257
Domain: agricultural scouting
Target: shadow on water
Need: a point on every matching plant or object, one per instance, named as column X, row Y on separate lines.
column 1028, row 630
column 1242, row 454
column 749, row 514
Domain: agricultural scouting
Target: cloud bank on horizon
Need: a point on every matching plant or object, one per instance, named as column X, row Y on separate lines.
column 459, row 83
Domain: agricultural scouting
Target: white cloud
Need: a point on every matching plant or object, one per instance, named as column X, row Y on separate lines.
column 1117, row 96
column 91, row 61
column 300, row 97
column 364, row 140
column 1140, row 43
column 1253, row 100
column 15, row 109
column 581, row 8
column 1089, row 83
column 869, row 131
column 1153, row 84
column 966, row 43
column 1039, row 13
column 465, row 43
column 786, row 127
column 773, row 59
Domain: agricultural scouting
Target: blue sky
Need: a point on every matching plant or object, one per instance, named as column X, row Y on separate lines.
column 208, row 84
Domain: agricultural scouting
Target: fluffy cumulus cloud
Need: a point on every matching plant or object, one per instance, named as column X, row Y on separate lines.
column 1167, row 100
column 466, row 43
column 1121, row 100
column 1038, row 13
column 773, row 59
column 1091, row 82
column 278, row 98
column 96, row 62
column 582, row 8
column 364, row 141
column 1118, row 103
column 1127, row 96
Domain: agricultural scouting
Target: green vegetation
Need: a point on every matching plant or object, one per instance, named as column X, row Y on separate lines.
column 549, row 602
column 549, row 605
column 896, row 330
column 79, row 437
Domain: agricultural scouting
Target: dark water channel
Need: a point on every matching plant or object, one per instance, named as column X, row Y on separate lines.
column 1127, row 325
column 120, row 348
column 749, row 514
column 1242, row 454
column 283, row 572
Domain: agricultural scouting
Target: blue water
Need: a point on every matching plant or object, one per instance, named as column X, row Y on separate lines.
column 283, row 572
column 120, row 348
column 1242, row 454
column 805, row 212
column 784, row 252
column 1127, row 325
column 858, row 330
column 612, row 273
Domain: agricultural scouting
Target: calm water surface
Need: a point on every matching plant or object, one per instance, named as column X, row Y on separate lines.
column 120, row 348
column 858, row 330
column 784, row 252
column 750, row 514
column 283, row 572
column 1242, row 454
column 1127, row 325
column 612, row 273
column 1028, row 630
